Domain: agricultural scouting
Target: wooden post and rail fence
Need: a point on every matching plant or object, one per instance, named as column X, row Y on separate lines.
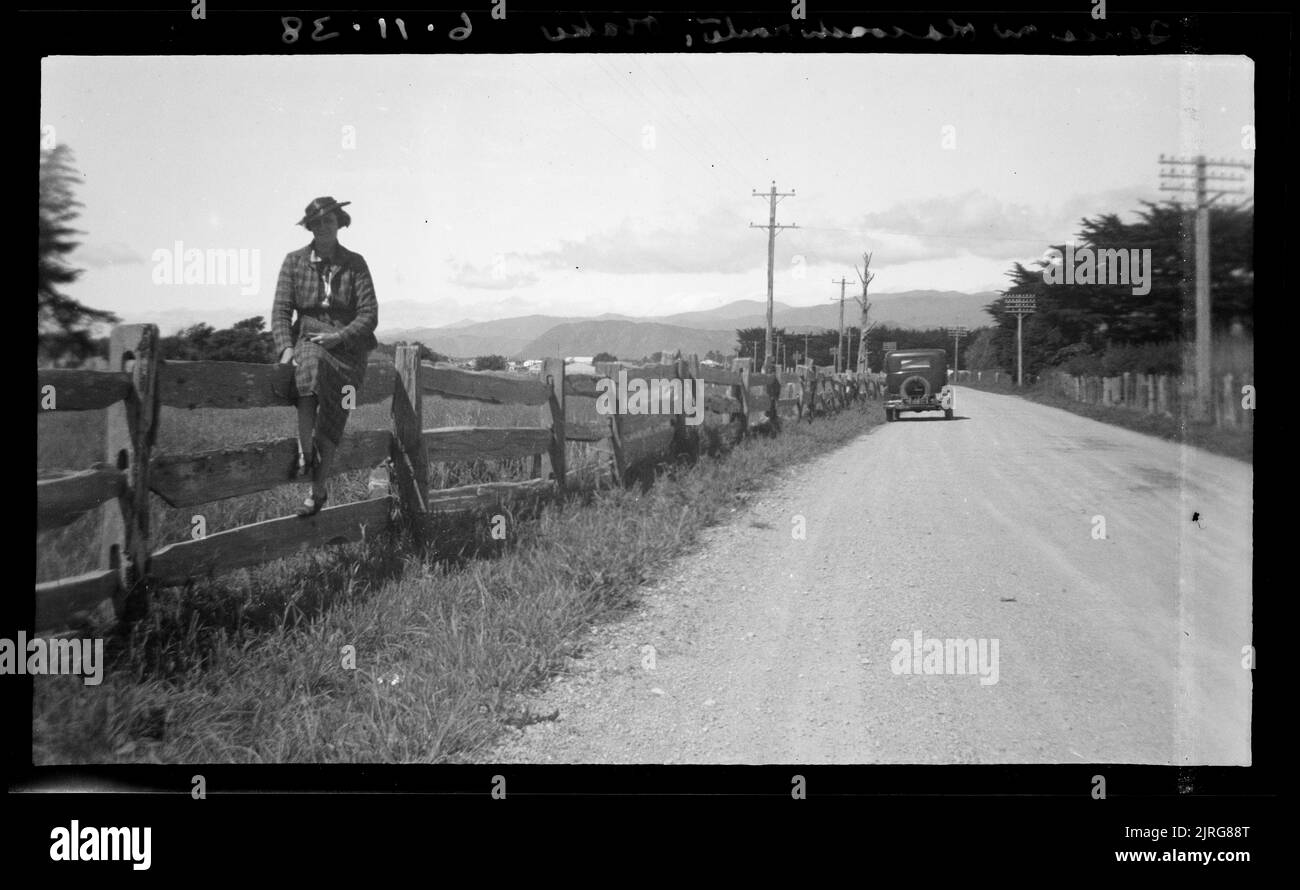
column 139, row 384
column 1162, row 394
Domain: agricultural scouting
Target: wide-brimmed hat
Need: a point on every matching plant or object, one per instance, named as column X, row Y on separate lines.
column 321, row 206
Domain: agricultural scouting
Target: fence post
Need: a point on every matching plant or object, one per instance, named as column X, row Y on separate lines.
column 773, row 390
column 1230, row 403
column 610, row 370
column 1162, row 394
column 805, row 392
column 695, row 440
column 1125, row 397
column 553, row 417
column 410, row 462
column 744, row 399
column 130, row 429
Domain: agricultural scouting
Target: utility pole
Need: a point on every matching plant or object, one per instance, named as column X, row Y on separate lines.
column 1019, row 301
column 772, row 229
column 1201, row 243
column 957, row 334
column 839, row 344
column 866, row 276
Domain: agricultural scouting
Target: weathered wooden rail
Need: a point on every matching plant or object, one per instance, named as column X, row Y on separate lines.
column 139, row 384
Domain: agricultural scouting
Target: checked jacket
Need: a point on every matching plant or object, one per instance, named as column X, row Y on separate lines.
column 350, row 310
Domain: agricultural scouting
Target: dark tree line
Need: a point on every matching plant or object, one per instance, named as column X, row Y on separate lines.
column 820, row 345
column 1079, row 321
column 244, row 341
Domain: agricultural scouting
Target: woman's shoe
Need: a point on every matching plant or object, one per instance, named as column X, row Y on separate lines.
column 312, row 505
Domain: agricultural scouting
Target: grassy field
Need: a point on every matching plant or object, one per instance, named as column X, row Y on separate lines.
column 74, row 440
column 249, row 667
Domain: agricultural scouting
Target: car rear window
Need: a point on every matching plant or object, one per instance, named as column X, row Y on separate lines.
column 909, row 364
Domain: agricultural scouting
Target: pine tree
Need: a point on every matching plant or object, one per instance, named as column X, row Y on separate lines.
column 61, row 321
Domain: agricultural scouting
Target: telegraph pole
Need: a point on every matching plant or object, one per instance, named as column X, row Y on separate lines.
column 1201, row 244
column 957, row 334
column 772, row 229
column 1019, row 301
column 866, row 276
column 839, row 344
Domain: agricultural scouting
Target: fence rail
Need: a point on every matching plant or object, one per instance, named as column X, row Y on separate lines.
column 139, row 384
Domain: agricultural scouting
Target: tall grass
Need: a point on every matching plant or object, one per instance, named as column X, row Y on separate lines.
column 249, row 668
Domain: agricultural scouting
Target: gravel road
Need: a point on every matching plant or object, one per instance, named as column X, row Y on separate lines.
column 771, row 648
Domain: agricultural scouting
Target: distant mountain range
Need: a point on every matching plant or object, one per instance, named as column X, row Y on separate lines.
column 533, row 336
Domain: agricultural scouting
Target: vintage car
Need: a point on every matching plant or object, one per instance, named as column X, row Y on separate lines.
column 917, row 380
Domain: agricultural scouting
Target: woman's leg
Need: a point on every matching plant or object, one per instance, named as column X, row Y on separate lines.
column 322, row 470
column 306, row 424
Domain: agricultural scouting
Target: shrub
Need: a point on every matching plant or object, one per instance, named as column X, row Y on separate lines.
column 1147, row 358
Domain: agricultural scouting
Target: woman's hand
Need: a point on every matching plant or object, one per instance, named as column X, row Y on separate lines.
column 286, row 357
column 326, row 341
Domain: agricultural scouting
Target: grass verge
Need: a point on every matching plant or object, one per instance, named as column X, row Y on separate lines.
column 1236, row 443
column 256, row 667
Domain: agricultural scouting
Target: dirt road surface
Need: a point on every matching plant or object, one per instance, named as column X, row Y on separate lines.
column 764, row 647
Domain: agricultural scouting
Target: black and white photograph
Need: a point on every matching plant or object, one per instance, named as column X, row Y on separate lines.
column 689, row 407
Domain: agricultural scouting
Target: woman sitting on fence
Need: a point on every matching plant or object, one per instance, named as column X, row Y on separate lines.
column 330, row 288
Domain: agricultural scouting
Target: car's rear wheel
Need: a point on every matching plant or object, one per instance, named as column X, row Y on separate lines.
column 947, row 414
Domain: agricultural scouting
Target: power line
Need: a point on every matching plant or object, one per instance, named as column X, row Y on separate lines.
column 640, row 153
column 742, row 138
column 614, row 76
column 871, row 231
column 693, row 97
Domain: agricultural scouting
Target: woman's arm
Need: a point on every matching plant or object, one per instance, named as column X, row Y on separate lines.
column 282, row 309
column 359, row 334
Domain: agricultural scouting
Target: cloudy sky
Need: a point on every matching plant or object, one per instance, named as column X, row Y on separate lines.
column 492, row 186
